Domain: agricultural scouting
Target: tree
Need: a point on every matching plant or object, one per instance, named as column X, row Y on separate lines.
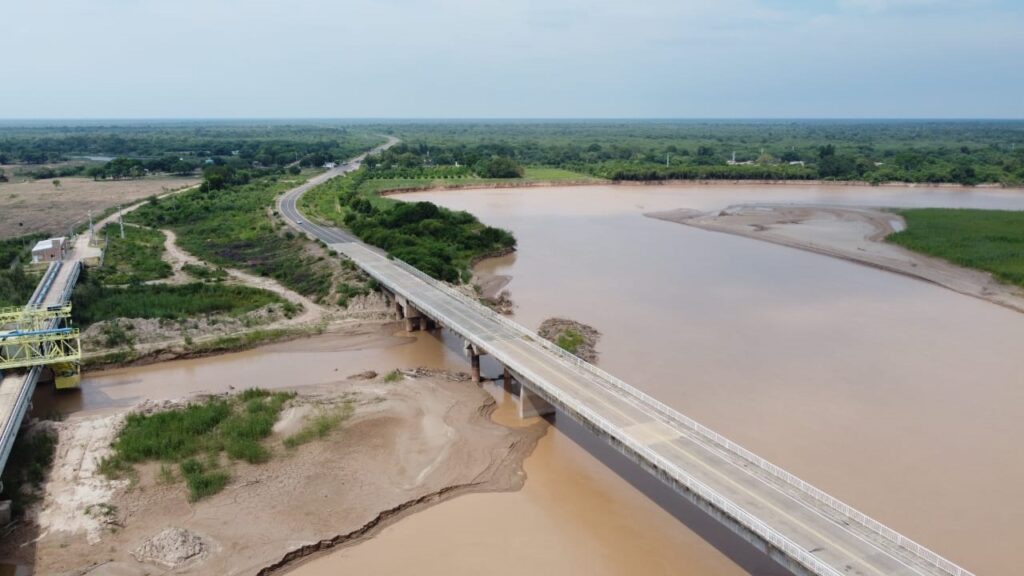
column 56, row 183
column 499, row 167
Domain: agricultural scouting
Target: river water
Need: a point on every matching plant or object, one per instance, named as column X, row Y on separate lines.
column 900, row 397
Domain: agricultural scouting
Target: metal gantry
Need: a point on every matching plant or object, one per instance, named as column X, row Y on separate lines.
column 33, row 336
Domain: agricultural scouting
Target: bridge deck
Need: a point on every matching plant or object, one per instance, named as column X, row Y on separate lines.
column 830, row 542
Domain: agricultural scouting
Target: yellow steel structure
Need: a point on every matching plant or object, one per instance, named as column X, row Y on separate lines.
column 34, row 339
column 21, row 350
column 66, row 375
column 33, row 318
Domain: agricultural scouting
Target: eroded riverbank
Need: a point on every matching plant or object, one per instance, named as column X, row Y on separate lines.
column 854, row 234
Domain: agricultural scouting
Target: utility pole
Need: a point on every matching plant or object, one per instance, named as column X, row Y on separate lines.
column 91, row 231
column 120, row 219
column 667, row 156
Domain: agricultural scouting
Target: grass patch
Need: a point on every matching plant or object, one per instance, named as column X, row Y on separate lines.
column 138, row 257
column 320, row 425
column 570, row 341
column 394, row 376
column 348, row 291
column 16, row 283
column 989, row 240
column 249, row 339
column 205, row 273
column 196, row 435
column 94, row 302
column 29, row 461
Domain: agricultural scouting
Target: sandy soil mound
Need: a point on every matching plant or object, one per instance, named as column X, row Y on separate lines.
column 172, row 547
column 555, row 328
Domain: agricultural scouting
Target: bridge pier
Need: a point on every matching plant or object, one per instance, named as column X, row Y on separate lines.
column 414, row 319
column 531, row 404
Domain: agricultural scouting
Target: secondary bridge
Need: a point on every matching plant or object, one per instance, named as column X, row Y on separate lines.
column 798, row 525
column 47, row 344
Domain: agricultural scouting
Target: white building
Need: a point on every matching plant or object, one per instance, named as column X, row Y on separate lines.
column 49, row 250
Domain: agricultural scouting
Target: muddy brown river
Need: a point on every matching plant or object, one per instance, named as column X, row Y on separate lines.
column 902, row 398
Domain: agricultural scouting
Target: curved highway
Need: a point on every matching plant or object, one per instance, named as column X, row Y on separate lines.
column 290, row 211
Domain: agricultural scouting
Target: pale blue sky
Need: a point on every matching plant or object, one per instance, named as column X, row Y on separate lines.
column 511, row 58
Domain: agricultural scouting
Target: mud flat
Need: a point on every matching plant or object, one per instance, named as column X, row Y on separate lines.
column 855, row 234
column 410, row 444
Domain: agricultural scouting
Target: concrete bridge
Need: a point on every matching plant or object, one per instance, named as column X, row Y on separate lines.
column 796, row 524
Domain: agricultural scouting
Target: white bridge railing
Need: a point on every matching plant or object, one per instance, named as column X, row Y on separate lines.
column 872, row 526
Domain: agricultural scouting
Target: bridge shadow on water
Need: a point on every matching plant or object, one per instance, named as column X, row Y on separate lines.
column 725, row 540
column 738, row 550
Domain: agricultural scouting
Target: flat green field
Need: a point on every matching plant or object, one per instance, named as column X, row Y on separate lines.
column 989, row 240
column 371, row 187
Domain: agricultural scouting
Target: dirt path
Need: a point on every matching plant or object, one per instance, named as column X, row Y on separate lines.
column 854, row 234
column 411, row 444
column 311, row 311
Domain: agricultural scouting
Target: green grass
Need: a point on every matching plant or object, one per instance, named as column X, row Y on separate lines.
column 138, row 257
column 372, row 188
column 94, row 302
column 542, row 174
column 570, row 341
column 16, row 283
column 232, row 227
column 196, row 435
column 393, row 376
column 205, row 273
column 27, row 465
column 989, row 240
column 320, row 425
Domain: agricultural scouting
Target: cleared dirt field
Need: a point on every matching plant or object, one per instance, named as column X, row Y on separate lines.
column 39, row 206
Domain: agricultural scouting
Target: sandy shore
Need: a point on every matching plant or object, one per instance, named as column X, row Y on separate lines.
column 854, row 234
column 410, row 444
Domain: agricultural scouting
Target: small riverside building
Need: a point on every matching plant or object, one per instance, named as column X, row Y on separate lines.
column 49, row 250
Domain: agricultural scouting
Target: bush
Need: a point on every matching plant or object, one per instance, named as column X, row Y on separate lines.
column 93, row 302
column 236, row 426
column 499, row 167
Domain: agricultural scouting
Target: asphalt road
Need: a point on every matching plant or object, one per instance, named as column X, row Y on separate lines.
column 329, row 234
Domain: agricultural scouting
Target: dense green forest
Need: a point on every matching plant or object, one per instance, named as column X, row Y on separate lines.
column 177, row 147
column 438, row 241
column 956, row 151
column 965, row 152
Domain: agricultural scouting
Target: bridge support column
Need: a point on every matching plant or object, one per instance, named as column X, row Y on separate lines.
column 474, row 366
column 474, row 353
column 506, row 379
column 532, row 405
